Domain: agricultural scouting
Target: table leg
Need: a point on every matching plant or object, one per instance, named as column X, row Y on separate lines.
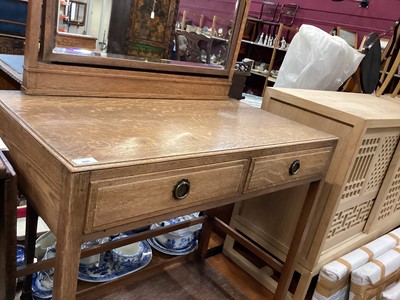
column 69, row 236
column 204, row 237
column 8, row 237
column 296, row 243
column 303, row 286
column 30, row 240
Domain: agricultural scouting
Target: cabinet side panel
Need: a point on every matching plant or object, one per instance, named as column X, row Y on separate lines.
column 270, row 219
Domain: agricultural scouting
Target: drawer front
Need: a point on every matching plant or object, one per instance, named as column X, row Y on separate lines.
column 278, row 169
column 124, row 200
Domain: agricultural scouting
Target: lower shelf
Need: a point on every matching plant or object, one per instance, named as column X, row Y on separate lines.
column 215, row 278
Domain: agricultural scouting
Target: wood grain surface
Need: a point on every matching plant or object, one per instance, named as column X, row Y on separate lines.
column 126, row 131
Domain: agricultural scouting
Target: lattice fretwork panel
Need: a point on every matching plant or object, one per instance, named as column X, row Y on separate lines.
column 391, row 203
column 387, row 148
column 361, row 167
column 350, row 217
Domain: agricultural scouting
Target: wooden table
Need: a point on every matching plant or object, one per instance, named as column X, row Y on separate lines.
column 11, row 71
column 92, row 167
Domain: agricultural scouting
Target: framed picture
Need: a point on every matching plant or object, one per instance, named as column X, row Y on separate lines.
column 349, row 36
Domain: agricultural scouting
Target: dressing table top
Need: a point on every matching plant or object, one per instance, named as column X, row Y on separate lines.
column 119, row 132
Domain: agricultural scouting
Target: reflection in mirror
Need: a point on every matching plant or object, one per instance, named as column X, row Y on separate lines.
column 178, row 32
column 77, row 13
column 71, row 13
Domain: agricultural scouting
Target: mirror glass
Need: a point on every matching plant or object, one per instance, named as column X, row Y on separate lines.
column 186, row 35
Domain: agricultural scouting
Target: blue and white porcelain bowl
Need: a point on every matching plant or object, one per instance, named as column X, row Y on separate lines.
column 94, row 259
column 181, row 238
column 43, row 242
column 129, row 254
column 42, row 282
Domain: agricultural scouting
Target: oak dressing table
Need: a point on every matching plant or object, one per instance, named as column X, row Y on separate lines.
column 92, row 164
column 91, row 167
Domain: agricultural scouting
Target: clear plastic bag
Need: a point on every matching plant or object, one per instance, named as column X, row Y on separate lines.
column 318, row 61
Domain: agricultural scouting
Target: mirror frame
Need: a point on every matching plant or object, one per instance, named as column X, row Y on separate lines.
column 68, row 75
column 145, row 64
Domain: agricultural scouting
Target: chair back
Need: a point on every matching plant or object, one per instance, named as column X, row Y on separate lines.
column 288, row 13
column 268, row 11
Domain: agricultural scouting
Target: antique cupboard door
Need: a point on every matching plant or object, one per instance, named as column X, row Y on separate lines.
column 386, row 211
column 364, row 180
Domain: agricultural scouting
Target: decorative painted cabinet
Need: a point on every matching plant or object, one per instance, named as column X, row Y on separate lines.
column 361, row 189
column 147, row 29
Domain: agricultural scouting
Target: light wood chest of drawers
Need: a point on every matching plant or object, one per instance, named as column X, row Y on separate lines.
column 361, row 189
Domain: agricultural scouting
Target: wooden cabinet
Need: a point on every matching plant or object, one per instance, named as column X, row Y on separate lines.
column 134, row 30
column 267, row 55
column 94, row 165
column 361, row 187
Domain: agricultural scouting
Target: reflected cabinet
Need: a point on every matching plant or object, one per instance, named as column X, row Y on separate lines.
column 146, row 32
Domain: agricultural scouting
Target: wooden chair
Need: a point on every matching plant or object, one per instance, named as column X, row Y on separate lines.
column 388, row 65
column 190, row 46
column 268, row 11
column 390, row 76
column 390, row 62
column 287, row 14
column 396, row 90
column 269, row 15
column 189, row 17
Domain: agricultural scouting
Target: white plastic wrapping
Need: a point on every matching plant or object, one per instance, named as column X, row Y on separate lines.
column 318, row 61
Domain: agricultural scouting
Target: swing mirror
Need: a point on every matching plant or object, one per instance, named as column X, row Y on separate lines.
column 179, row 36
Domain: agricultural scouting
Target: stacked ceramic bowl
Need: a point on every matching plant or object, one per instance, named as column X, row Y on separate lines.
column 100, row 267
column 128, row 254
column 178, row 242
column 116, row 263
column 42, row 282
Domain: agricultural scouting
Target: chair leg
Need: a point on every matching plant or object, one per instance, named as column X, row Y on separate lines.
column 388, row 52
column 396, row 90
column 389, row 77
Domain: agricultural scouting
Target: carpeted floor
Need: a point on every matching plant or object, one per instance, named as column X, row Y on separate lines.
column 193, row 280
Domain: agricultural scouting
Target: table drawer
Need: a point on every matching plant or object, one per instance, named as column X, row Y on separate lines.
column 128, row 199
column 278, row 169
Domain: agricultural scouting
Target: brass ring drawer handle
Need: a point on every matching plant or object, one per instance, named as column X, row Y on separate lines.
column 181, row 189
column 294, row 167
